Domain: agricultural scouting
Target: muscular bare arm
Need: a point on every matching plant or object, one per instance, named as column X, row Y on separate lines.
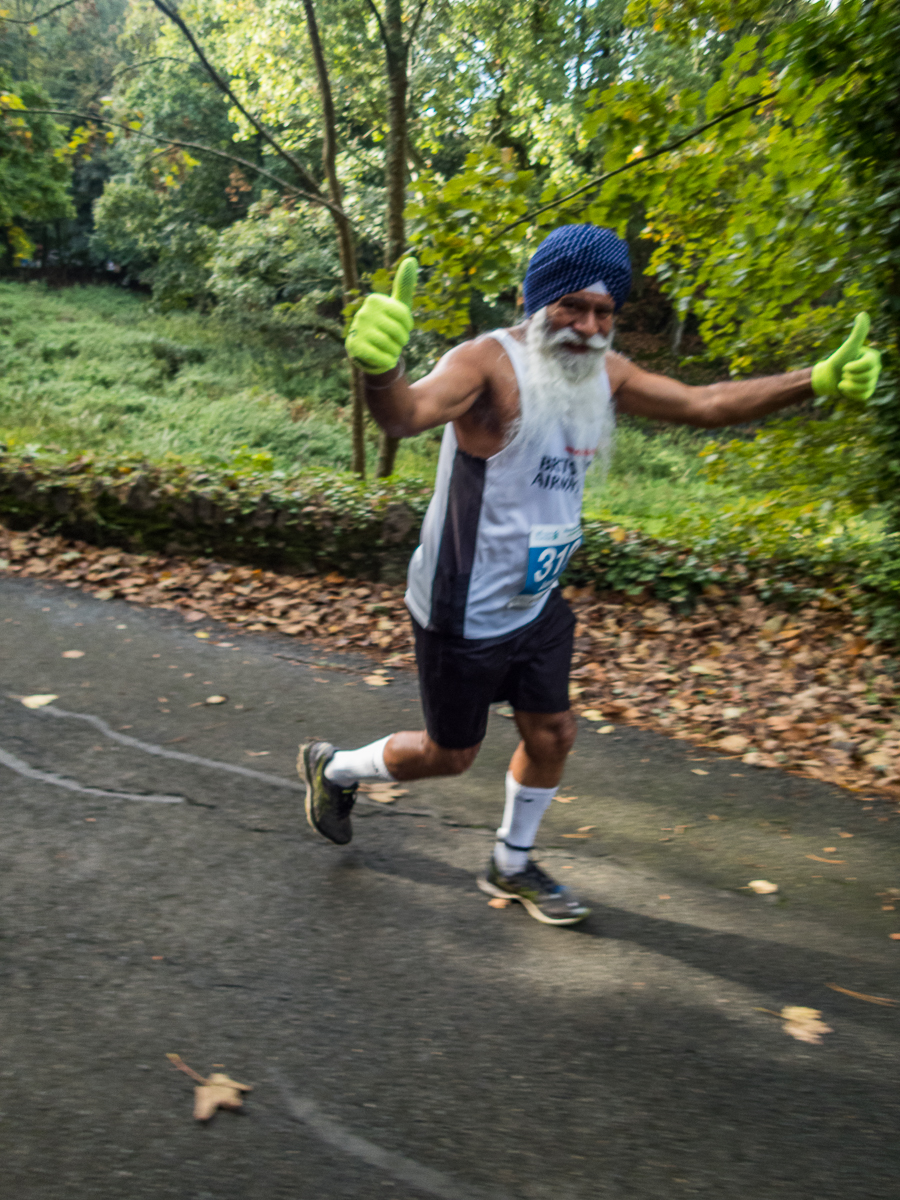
column 403, row 409
column 643, row 394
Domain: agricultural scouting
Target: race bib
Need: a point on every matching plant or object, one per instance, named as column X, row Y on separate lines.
column 549, row 549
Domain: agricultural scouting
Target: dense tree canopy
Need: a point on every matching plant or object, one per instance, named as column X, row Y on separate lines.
column 270, row 160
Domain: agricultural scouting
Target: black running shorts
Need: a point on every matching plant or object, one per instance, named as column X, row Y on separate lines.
column 459, row 678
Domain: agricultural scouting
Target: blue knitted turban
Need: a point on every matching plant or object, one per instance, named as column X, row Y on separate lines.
column 573, row 257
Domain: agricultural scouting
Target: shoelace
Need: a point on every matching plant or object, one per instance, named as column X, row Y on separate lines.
column 535, row 875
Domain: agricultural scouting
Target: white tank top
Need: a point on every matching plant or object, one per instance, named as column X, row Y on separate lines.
column 498, row 531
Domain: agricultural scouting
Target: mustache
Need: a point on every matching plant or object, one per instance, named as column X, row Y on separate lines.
column 568, row 337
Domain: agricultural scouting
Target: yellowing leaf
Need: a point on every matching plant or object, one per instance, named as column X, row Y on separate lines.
column 218, row 1091
column 39, row 700
column 592, row 714
column 804, row 1024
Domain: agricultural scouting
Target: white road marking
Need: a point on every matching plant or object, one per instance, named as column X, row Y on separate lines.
column 426, row 1179
column 179, row 755
column 292, row 785
column 22, row 768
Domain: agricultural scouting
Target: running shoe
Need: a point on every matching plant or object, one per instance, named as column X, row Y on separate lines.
column 543, row 898
column 328, row 806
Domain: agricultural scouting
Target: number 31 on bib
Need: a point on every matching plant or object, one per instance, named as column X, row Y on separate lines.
column 549, row 549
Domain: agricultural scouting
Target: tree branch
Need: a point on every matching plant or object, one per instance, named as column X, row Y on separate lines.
column 155, row 137
column 223, row 87
column 595, row 184
column 39, row 17
column 414, row 28
column 377, row 15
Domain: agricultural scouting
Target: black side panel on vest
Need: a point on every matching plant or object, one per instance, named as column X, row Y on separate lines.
column 450, row 589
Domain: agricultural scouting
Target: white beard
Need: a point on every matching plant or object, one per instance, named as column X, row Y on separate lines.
column 565, row 389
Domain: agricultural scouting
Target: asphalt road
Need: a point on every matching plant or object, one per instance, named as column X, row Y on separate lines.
column 161, row 892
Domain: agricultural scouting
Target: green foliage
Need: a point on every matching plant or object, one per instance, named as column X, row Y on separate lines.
column 879, row 584
column 140, row 229
column 826, row 459
column 453, row 229
column 279, row 269
column 92, row 369
column 34, row 170
column 859, row 41
column 636, row 565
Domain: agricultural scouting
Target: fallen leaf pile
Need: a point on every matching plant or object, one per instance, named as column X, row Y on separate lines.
column 807, row 691
column 218, row 1091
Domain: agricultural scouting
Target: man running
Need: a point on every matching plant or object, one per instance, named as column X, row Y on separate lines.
column 525, row 411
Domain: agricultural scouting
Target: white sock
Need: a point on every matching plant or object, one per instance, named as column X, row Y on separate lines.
column 521, row 817
column 349, row 766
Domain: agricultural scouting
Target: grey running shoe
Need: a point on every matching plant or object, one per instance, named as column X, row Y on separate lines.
column 328, row 805
column 543, row 898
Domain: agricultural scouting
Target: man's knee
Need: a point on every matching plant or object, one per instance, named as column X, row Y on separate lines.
column 455, row 762
column 550, row 735
column 564, row 730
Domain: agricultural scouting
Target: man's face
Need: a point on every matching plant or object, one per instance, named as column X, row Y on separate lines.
column 586, row 314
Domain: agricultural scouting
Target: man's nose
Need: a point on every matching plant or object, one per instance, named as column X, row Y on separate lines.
column 588, row 324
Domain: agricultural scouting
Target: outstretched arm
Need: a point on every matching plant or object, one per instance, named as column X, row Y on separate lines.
column 852, row 370
column 643, row 394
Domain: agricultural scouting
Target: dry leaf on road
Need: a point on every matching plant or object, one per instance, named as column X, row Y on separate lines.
column 218, row 1091
column 804, row 1024
column 73, row 654
column 497, row 902
column 376, row 680
column 216, row 700
column 762, row 887
column 39, row 700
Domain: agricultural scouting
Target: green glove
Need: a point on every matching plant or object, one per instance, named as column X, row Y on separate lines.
column 381, row 327
column 852, row 370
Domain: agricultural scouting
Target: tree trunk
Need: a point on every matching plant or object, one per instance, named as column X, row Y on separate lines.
column 396, row 53
column 346, row 243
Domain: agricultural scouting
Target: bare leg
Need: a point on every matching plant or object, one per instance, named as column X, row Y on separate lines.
column 540, row 757
column 413, row 755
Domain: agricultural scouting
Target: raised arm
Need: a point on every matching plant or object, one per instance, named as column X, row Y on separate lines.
column 852, row 370
column 375, row 341
column 403, row 409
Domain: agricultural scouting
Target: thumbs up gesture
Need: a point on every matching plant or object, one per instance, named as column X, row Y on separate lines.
column 852, row 370
column 381, row 327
